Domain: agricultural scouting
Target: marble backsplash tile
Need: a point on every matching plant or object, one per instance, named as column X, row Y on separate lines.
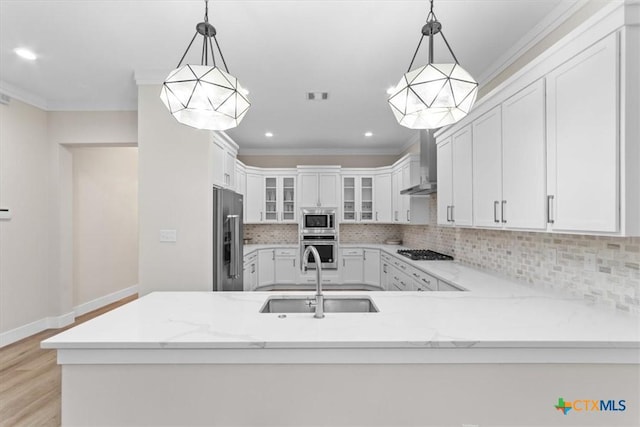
column 264, row 234
column 369, row 233
column 601, row 269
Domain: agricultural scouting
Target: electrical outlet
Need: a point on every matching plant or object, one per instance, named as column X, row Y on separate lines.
column 590, row 261
column 168, row 235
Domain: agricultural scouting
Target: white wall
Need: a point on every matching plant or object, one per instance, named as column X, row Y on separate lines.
column 105, row 221
column 36, row 245
column 175, row 193
column 26, row 294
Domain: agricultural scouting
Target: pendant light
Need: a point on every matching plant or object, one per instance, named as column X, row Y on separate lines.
column 204, row 96
column 433, row 95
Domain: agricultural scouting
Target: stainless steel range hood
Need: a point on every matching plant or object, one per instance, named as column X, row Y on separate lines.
column 428, row 166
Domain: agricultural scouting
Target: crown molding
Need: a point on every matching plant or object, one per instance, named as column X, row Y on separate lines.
column 23, row 95
column 553, row 20
column 317, row 152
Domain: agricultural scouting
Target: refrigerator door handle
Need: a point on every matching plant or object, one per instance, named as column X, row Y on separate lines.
column 234, row 265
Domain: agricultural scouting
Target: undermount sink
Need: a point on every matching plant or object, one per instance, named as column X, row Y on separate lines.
column 307, row 305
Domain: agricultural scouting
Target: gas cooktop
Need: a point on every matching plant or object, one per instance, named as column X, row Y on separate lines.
column 424, row 254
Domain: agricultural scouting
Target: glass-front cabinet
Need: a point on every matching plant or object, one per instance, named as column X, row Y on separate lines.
column 357, row 198
column 280, row 199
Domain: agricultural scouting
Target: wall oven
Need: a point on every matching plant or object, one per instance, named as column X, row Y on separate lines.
column 318, row 220
column 327, row 246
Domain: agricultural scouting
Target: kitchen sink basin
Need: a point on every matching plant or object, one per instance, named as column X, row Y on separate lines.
column 307, row 305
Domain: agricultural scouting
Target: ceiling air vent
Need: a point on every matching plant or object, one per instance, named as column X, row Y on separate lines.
column 317, row 96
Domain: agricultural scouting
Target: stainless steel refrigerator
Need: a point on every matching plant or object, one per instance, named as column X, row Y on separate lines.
column 227, row 240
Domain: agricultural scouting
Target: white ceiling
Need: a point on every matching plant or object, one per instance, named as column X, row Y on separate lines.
column 89, row 51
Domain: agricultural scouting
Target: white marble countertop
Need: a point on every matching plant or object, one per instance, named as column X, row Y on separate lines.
column 495, row 320
column 524, row 320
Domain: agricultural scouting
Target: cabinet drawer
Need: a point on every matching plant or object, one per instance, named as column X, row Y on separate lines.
column 282, row 252
column 352, row 252
column 424, row 280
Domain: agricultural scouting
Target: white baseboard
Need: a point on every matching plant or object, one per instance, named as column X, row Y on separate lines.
column 105, row 300
column 55, row 322
column 21, row 332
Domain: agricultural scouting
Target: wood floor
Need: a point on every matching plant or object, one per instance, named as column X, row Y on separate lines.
column 30, row 378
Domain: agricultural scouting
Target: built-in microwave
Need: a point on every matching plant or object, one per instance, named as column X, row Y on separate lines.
column 318, row 219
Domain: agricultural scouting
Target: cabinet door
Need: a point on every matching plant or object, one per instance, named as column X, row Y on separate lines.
column 365, row 193
column 328, row 185
column 253, row 273
column 253, row 200
column 582, row 137
column 271, row 201
column 462, row 189
column 308, row 192
column 372, row 267
column 217, row 158
column 382, row 200
column 288, row 199
column 229, row 169
column 266, row 267
column 241, row 182
column 405, row 200
column 396, row 178
column 384, row 275
column 487, row 169
column 445, row 182
column 349, row 201
column 352, row 269
column 286, row 271
column 523, row 159
column 246, row 277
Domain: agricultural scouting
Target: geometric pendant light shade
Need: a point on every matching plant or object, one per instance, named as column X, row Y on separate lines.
column 203, row 96
column 434, row 95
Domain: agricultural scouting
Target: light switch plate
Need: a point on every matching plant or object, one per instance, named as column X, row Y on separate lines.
column 168, row 235
column 5, row 214
column 590, row 261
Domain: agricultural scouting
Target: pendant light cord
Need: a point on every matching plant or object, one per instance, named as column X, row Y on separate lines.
column 431, row 20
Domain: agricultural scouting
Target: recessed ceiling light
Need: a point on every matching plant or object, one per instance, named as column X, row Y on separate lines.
column 391, row 90
column 25, row 53
column 368, row 134
column 268, row 134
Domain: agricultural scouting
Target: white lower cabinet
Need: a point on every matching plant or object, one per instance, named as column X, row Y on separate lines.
column 352, row 266
column 371, row 259
column 266, row 267
column 250, row 272
column 286, row 266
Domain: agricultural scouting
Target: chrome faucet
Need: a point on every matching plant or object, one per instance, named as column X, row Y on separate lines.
column 319, row 296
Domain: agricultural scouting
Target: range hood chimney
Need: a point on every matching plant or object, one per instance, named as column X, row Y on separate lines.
column 428, row 166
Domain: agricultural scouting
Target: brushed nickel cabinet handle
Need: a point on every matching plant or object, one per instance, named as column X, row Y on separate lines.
column 550, row 219
column 452, row 214
column 495, row 211
column 504, row 202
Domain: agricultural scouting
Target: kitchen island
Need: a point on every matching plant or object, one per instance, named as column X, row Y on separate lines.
column 497, row 354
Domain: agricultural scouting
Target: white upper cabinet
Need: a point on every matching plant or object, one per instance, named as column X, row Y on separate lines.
column 222, row 154
column 382, row 197
column 556, row 147
column 280, row 198
column 455, row 163
column 582, row 136
column 523, row 159
column 487, row 169
column 254, row 197
column 357, row 198
column 509, row 183
column 319, row 187
column 240, row 179
column 407, row 209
